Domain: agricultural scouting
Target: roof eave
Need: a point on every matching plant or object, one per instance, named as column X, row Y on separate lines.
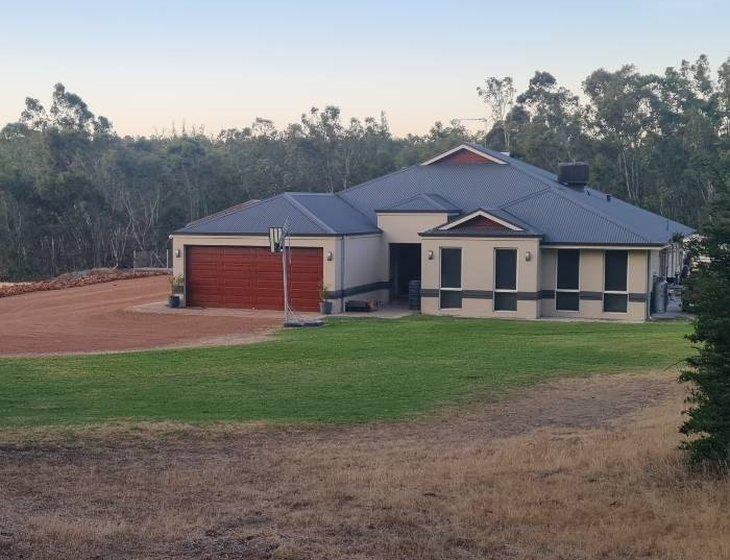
column 260, row 234
column 410, row 211
column 599, row 244
column 492, row 234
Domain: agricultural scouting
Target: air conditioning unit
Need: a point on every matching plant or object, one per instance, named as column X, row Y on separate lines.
column 574, row 175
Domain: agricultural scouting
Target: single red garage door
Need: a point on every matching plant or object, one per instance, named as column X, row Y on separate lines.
column 250, row 277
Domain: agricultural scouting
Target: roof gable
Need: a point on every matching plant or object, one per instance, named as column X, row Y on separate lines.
column 465, row 154
column 484, row 223
column 480, row 220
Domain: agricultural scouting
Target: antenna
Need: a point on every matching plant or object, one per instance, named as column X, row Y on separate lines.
column 479, row 119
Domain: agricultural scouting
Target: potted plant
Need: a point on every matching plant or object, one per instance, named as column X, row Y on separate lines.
column 325, row 306
column 177, row 286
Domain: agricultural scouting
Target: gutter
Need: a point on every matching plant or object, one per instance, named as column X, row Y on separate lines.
column 342, row 275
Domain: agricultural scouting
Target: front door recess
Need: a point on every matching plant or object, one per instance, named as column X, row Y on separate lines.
column 405, row 265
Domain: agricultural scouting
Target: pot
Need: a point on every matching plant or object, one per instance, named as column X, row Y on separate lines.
column 173, row 301
column 325, row 307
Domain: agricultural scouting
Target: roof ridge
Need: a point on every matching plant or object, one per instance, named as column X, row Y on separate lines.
column 227, row 211
column 514, row 161
column 522, row 198
column 590, row 209
column 401, row 170
column 556, row 187
column 307, row 212
column 430, row 198
column 356, row 209
column 616, row 199
column 602, row 214
column 310, row 193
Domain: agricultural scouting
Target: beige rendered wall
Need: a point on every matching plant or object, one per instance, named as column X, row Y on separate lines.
column 405, row 227
column 366, row 263
column 654, row 263
column 477, row 273
column 591, row 280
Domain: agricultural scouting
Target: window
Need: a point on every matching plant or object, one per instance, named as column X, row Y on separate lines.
column 566, row 293
column 615, row 273
column 450, row 293
column 505, row 280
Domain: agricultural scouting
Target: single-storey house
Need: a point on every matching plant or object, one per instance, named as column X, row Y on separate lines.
column 486, row 234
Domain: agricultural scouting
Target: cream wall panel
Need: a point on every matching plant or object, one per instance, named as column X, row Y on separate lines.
column 405, row 227
column 477, row 273
column 591, row 280
column 365, row 262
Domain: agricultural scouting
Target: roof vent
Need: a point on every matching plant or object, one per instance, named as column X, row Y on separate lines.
column 574, row 175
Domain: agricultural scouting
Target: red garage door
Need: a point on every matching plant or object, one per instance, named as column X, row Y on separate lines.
column 250, row 277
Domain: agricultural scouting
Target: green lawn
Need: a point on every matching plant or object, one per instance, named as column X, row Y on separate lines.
column 348, row 371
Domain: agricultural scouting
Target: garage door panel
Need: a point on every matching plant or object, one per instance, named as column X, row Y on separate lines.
column 243, row 302
column 238, row 287
column 251, row 277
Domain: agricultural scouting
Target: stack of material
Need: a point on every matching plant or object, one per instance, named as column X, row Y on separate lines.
column 76, row 279
column 414, row 294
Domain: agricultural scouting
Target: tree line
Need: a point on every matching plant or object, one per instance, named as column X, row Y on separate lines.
column 76, row 195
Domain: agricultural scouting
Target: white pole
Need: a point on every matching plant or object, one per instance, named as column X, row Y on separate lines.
column 286, row 287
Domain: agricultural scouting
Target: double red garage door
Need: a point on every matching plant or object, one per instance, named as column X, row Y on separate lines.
column 251, row 277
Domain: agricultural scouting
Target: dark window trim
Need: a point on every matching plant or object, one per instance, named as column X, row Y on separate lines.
column 615, row 292
column 494, row 279
column 558, row 290
column 461, row 273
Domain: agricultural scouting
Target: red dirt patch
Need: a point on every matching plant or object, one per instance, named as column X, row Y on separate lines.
column 98, row 318
column 74, row 280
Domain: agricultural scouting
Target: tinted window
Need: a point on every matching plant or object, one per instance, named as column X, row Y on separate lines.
column 506, row 269
column 505, row 301
column 616, row 263
column 568, row 263
column 566, row 301
column 615, row 303
column 451, row 268
column 450, row 299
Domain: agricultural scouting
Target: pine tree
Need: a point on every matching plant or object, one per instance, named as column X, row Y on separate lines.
column 709, row 371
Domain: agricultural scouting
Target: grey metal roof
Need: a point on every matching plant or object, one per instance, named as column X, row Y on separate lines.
column 423, row 203
column 529, row 194
column 316, row 214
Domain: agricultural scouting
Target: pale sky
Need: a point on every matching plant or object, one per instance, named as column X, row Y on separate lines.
column 148, row 64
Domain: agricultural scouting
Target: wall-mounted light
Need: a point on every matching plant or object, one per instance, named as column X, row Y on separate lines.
column 178, row 253
column 429, row 255
column 528, row 255
column 330, row 256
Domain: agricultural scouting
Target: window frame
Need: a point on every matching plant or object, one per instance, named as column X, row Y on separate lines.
column 615, row 292
column 572, row 291
column 494, row 279
column 461, row 270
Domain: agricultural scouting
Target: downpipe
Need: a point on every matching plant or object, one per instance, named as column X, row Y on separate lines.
column 342, row 274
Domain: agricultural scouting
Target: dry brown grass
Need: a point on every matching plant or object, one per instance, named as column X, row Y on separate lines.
column 579, row 469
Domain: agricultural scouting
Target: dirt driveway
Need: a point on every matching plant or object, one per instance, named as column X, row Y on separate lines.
column 116, row 316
